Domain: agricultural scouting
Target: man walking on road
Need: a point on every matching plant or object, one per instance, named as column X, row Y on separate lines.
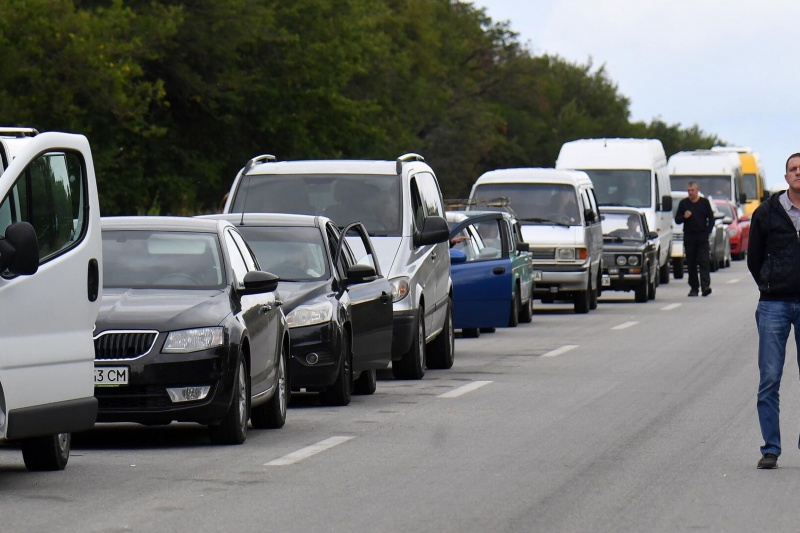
column 697, row 217
column 773, row 258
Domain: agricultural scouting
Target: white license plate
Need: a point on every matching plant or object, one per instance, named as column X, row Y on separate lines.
column 111, row 376
column 537, row 275
column 606, row 282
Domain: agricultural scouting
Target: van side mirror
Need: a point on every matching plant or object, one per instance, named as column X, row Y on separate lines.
column 765, row 194
column 19, row 251
column 588, row 214
column 666, row 203
column 434, row 231
column 742, row 198
column 652, row 235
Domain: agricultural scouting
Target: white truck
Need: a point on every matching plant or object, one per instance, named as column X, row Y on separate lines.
column 50, row 283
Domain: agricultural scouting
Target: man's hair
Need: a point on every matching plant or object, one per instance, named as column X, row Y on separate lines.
column 796, row 154
column 692, row 184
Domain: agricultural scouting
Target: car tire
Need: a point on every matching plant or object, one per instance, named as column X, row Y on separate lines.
column 513, row 316
column 642, row 290
column 272, row 415
column 594, row 294
column 677, row 268
column 582, row 299
column 663, row 273
column 526, row 315
column 339, row 393
column 233, row 428
column 367, row 383
column 471, row 333
column 443, row 348
column 412, row 364
column 46, row 454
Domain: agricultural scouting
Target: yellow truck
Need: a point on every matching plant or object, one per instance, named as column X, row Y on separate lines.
column 752, row 176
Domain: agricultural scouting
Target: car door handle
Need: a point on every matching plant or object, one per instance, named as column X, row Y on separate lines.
column 499, row 270
column 385, row 297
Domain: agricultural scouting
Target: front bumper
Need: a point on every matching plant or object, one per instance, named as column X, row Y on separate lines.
column 552, row 279
column 621, row 281
column 404, row 329
column 321, row 342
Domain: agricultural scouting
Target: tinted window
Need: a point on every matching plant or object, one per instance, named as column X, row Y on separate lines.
column 534, row 203
column 291, row 253
column 716, row 186
column 622, row 187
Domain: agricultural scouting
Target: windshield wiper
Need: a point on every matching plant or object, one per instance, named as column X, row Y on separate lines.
column 543, row 221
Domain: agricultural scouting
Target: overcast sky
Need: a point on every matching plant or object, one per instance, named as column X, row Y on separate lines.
column 728, row 66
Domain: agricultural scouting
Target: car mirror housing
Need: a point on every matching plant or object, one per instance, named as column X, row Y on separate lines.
column 652, row 235
column 523, row 246
column 457, row 257
column 666, row 203
column 256, row 282
column 360, row 273
column 434, row 231
column 19, row 251
column 588, row 214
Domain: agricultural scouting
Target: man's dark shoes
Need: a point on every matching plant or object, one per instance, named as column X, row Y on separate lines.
column 706, row 291
column 767, row 461
column 693, row 292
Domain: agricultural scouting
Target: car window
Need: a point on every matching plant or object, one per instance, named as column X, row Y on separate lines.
column 51, row 195
column 139, row 259
column 533, row 203
column 431, row 198
column 247, row 254
column 238, row 264
column 291, row 253
column 492, row 237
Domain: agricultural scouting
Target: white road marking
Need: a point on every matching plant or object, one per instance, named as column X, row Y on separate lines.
column 625, row 325
column 464, row 389
column 308, row 451
column 559, row 351
column 670, row 307
column 732, row 281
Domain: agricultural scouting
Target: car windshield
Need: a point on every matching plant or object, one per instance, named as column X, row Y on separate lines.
column 624, row 225
column 726, row 209
column 374, row 200
column 291, row 253
column 139, row 259
column 714, row 186
column 533, row 203
column 621, row 187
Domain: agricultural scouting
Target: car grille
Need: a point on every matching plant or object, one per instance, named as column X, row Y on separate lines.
column 123, row 344
column 133, row 397
column 543, row 253
column 609, row 260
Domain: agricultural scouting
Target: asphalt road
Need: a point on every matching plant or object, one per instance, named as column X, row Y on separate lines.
column 635, row 417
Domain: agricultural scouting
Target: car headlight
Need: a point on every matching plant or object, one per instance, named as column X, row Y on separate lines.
column 565, row 254
column 399, row 288
column 633, row 260
column 621, row 261
column 194, row 340
column 308, row 315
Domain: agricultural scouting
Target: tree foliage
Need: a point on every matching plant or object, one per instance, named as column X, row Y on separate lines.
column 176, row 96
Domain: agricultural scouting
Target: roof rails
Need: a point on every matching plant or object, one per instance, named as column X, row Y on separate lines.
column 407, row 158
column 258, row 160
column 454, row 204
column 18, row 132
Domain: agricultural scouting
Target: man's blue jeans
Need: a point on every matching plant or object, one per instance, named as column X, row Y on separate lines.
column 774, row 321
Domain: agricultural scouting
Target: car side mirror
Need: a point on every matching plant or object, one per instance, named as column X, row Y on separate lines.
column 457, row 257
column 666, row 203
column 360, row 273
column 588, row 214
column 434, row 231
column 523, row 246
column 257, row 282
column 742, row 198
column 652, row 235
column 19, row 251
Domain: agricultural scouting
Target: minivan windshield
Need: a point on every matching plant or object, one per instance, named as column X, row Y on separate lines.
column 621, row 187
column 374, row 200
column 714, row 186
column 533, row 203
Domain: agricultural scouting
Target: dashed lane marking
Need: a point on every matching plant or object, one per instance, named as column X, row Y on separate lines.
column 308, row 451
column 670, row 307
column 625, row 325
column 464, row 389
column 558, row 351
column 732, row 281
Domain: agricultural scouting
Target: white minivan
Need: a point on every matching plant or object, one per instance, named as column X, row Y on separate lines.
column 718, row 174
column 50, row 281
column 628, row 172
column 558, row 212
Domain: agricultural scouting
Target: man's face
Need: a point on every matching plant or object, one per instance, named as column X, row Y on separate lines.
column 793, row 174
column 693, row 191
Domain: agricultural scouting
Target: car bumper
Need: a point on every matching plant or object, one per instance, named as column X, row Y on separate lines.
column 404, row 328
column 565, row 279
column 145, row 399
column 315, row 356
column 51, row 419
column 621, row 281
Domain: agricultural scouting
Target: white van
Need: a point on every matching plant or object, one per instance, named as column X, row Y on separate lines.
column 628, row 172
column 50, row 281
column 558, row 212
column 718, row 174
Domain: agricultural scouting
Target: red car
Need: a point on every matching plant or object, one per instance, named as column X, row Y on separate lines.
column 738, row 228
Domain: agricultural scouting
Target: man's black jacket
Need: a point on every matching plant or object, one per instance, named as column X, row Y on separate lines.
column 773, row 255
column 702, row 219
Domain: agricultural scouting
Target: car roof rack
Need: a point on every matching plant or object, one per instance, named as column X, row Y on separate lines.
column 258, row 160
column 407, row 158
column 18, row 132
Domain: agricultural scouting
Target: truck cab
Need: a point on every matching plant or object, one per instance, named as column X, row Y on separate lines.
column 50, row 280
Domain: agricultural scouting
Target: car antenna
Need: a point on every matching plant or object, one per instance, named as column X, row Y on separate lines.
column 266, row 158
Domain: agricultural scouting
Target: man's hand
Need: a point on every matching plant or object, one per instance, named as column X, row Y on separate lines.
column 687, row 214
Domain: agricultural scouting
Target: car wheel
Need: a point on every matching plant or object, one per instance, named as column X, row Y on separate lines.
column 581, row 299
column 233, row 428
column 367, row 383
column 48, row 453
column 526, row 315
column 443, row 348
column 594, row 294
column 470, row 333
column 677, row 268
column 663, row 273
column 513, row 316
column 339, row 392
column 643, row 288
column 412, row 364
column 272, row 415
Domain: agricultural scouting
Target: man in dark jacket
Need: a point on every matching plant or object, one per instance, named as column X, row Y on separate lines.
column 697, row 217
column 773, row 258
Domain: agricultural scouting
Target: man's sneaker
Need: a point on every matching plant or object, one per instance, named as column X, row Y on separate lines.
column 767, row 461
column 706, row 291
column 692, row 292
